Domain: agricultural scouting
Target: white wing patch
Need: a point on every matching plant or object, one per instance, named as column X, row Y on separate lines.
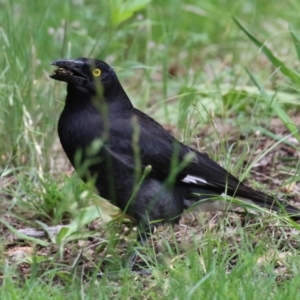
column 193, row 179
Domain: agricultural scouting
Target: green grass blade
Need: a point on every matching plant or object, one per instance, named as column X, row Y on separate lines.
column 291, row 74
column 296, row 40
column 275, row 137
column 24, row 236
column 283, row 116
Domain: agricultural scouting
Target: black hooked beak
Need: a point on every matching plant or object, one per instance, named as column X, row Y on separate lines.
column 70, row 71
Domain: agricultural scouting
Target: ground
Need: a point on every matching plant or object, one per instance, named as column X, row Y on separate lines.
column 221, row 76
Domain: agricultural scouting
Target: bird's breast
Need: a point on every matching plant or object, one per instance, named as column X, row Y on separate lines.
column 78, row 130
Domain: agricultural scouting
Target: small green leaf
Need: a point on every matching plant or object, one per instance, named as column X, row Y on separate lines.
column 122, row 10
column 37, row 258
column 63, row 233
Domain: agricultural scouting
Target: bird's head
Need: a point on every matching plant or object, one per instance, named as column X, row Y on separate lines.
column 91, row 78
column 84, row 73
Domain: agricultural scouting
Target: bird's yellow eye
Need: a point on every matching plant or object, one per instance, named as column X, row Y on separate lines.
column 97, row 72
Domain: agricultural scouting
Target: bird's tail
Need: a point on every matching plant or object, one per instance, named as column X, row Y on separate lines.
column 205, row 201
column 267, row 201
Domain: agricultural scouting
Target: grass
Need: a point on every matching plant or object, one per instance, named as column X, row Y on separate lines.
column 221, row 76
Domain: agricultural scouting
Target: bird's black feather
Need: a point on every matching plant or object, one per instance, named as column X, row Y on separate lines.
column 97, row 108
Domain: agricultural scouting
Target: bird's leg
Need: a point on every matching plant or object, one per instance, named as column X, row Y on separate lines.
column 143, row 236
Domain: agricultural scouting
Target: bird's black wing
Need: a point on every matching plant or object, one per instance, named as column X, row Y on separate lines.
column 188, row 165
column 156, row 147
column 165, row 155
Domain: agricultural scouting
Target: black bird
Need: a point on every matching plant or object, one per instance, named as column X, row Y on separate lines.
column 136, row 164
